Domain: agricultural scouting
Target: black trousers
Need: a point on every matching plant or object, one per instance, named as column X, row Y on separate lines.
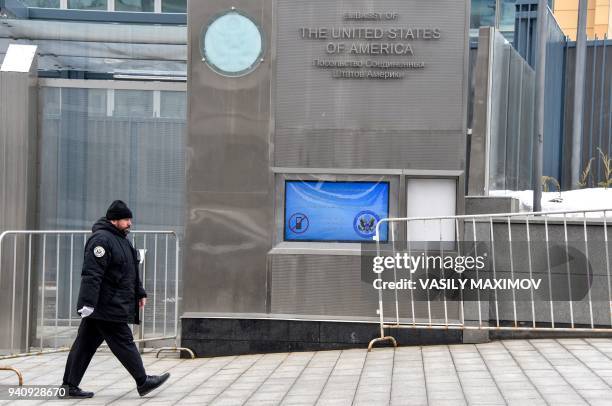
column 119, row 338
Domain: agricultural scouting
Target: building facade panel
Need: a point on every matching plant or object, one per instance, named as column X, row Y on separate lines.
column 345, row 93
column 229, row 200
column 310, row 97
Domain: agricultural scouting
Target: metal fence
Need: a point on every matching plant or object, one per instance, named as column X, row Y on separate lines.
column 40, row 278
column 597, row 117
column 502, row 140
column 559, row 95
column 568, row 251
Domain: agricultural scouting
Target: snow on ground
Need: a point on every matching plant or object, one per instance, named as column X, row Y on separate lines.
column 581, row 199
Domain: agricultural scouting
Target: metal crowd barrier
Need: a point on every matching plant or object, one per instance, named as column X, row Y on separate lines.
column 581, row 231
column 39, row 315
column 16, row 371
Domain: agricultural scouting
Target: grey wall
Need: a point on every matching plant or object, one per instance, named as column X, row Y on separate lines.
column 325, row 285
column 18, row 167
column 335, row 124
column 18, row 135
column 229, row 188
column 414, row 123
column 289, row 117
column 519, row 257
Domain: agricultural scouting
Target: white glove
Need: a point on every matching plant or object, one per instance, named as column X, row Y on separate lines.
column 85, row 311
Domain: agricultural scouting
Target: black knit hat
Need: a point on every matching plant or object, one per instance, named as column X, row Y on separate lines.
column 118, row 210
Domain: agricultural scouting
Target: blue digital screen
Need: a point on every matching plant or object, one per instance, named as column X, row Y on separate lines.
column 335, row 211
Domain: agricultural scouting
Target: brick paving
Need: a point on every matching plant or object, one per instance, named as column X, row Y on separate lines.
column 511, row 372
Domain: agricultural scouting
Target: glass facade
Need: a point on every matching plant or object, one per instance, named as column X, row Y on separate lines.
column 134, row 5
column 496, row 13
column 42, row 3
column 88, row 4
column 147, row 6
column 90, row 157
column 173, row 105
column 507, row 15
column 493, row 13
column 174, row 6
column 482, row 13
column 133, row 103
column 97, row 103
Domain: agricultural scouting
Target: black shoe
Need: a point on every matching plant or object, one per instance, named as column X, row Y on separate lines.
column 152, row 382
column 76, row 393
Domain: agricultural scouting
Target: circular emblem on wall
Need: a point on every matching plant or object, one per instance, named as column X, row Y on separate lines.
column 298, row 223
column 232, row 44
column 365, row 223
column 99, row 252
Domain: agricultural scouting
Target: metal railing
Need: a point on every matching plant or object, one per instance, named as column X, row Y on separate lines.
column 16, row 371
column 40, row 310
column 568, row 250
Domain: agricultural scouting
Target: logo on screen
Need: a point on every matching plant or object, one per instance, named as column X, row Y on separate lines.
column 365, row 223
column 298, row 223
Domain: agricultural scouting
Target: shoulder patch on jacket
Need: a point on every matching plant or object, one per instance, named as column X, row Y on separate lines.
column 99, row 251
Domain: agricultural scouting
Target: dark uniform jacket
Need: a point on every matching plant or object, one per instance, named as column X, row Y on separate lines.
column 110, row 283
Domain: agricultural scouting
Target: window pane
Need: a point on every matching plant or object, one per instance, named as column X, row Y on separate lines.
column 483, row 13
column 508, row 13
column 51, row 101
column 134, row 5
column 96, row 102
column 42, row 3
column 174, row 6
column 87, row 4
column 133, row 103
column 173, row 105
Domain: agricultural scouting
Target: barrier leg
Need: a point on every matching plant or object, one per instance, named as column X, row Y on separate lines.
column 381, row 339
column 175, row 349
column 15, row 370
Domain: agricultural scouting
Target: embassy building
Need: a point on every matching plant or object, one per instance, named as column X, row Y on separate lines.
column 305, row 127
column 271, row 136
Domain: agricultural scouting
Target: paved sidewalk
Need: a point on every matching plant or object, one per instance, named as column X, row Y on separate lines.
column 513, row 372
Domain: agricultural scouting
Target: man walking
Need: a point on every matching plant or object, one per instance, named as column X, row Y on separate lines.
column 109, row 298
